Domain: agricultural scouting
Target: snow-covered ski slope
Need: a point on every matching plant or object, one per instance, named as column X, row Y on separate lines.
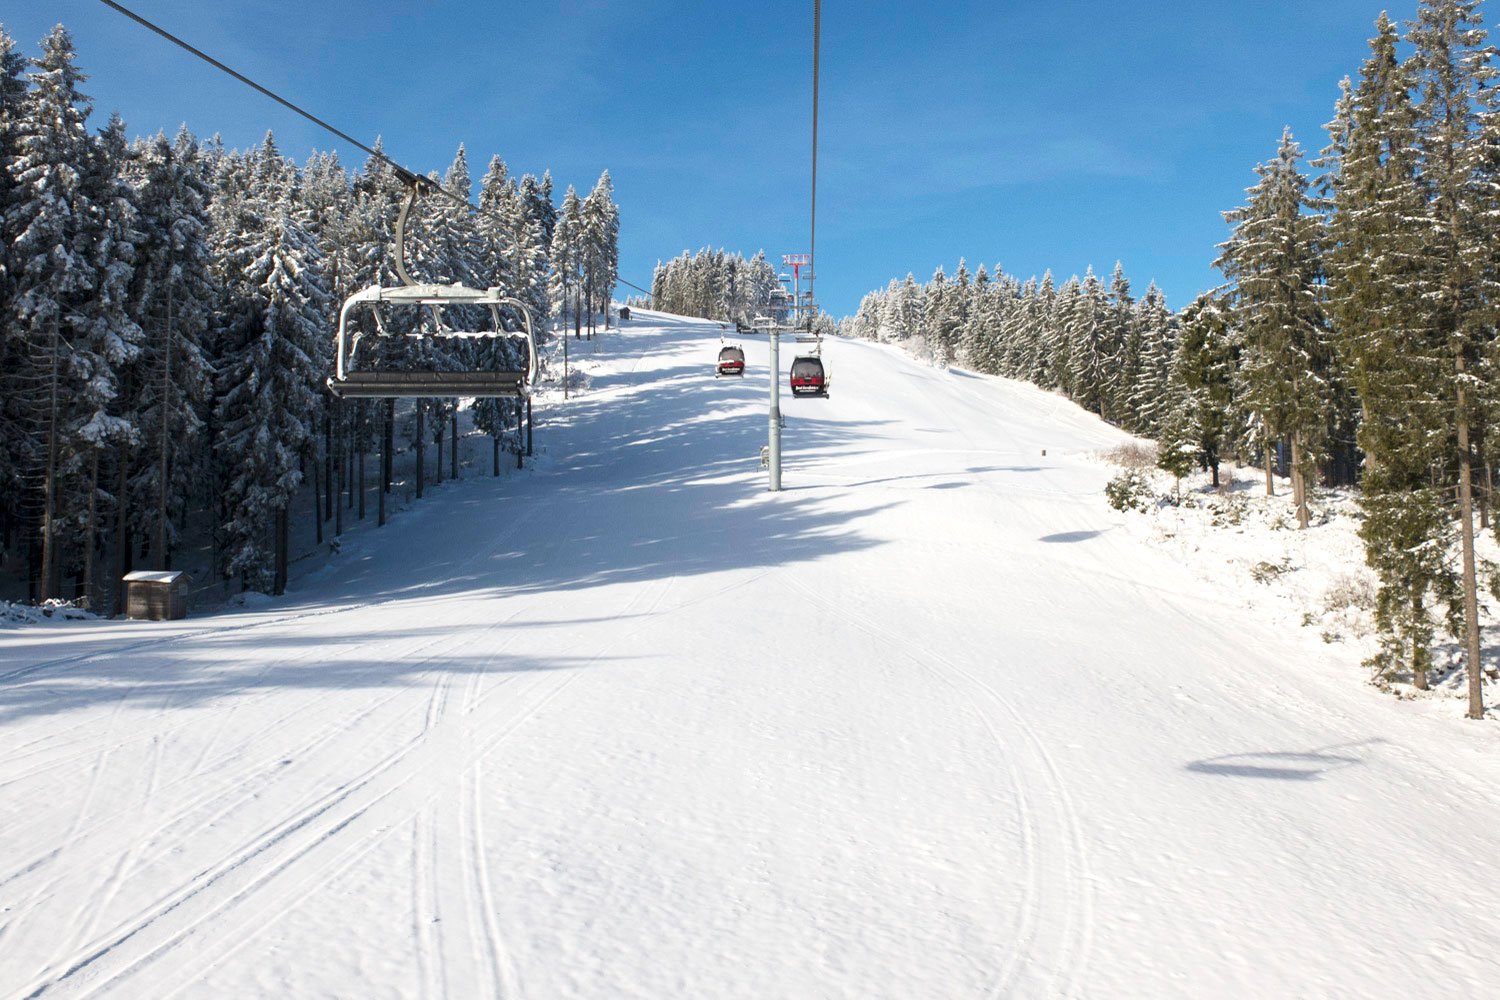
column 926, row 724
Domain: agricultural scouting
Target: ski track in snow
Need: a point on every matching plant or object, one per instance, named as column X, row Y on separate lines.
column 923, row 725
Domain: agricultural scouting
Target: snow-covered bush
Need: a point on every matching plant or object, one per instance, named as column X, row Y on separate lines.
column 1130, row 490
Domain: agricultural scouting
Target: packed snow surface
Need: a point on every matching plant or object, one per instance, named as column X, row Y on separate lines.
column 928, row 723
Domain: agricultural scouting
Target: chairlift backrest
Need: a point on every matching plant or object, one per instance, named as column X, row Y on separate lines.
column 350, row 383
column 347, row 382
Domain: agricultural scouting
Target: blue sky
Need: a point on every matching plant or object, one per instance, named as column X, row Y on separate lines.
column 1048, row 134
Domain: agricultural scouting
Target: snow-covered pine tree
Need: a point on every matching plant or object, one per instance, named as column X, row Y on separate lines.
column 545, row 210
column 1456, row 130
column 174, row 298
column 492, row 416
column 566, row 254
column 939, row 318
column 268, row 375
column 1395, row 358
column 601, row 236
column 977, row 337
column 1200, row 388
column 1273, row 257
column 530, row 211
column 1017, row 332
column 18, row 426
column 1123, row 349
column 1155, row 331
column 71, row 257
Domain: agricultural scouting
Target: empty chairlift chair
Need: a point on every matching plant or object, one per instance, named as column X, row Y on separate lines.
column 511, row 364
column 731, row 361
column 508, row 366
column 808, row 376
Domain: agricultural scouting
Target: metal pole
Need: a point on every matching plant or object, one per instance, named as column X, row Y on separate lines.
column 812, row 236
column 775, row 418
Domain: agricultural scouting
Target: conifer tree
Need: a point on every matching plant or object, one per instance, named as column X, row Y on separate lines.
column 268, row 374
column 1456, row 130
column 71, row 260
column 174, row 297
column 1201, row 383
column 1274, row 259
column 1394, row 356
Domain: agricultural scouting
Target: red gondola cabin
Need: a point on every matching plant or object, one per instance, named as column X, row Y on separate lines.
column 808, row 376
column 731, row 361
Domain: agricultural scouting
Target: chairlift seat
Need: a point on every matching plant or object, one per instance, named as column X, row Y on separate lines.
column 350, row 383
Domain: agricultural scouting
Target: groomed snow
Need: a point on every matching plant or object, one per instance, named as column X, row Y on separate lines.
column 932, row 722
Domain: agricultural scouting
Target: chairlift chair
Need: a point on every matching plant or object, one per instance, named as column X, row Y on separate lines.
column 731, row 361
column 351, row 379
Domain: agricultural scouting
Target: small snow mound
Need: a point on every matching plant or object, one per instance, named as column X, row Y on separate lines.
column 13, row 613
column 250, row 599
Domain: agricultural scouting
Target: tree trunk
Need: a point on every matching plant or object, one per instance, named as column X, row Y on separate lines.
column 49, row 511
column 385, row 477
column 453, row 443
column 1418, row 654
column 495, row 440
column 1270, row 482
column 1299, row 483
column 93, row 532
column 1484, row 495
column 317, row 500
column 390, row 446
column 336, row 496
column 122, row 529
column 354, row 446
column 278, row 582
column 528, row 425
column 441, row 429
column 421, row 448
column 360, row 481
column 1466, row 533
column 328, row 461
column 165, row 430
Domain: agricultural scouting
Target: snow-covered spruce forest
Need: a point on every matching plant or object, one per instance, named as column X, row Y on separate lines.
column 166, row 317
column 1354, row 339
column 717, row 285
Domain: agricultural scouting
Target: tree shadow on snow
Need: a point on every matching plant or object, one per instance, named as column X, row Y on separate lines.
column 658, row 480
column 216, row 667
column 1309, row 765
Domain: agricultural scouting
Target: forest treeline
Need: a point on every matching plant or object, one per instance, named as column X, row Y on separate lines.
column 167, row 309
column 1355, row 334
column 714, row 285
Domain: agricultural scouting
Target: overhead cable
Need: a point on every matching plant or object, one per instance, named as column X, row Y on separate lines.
column 407, row 176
